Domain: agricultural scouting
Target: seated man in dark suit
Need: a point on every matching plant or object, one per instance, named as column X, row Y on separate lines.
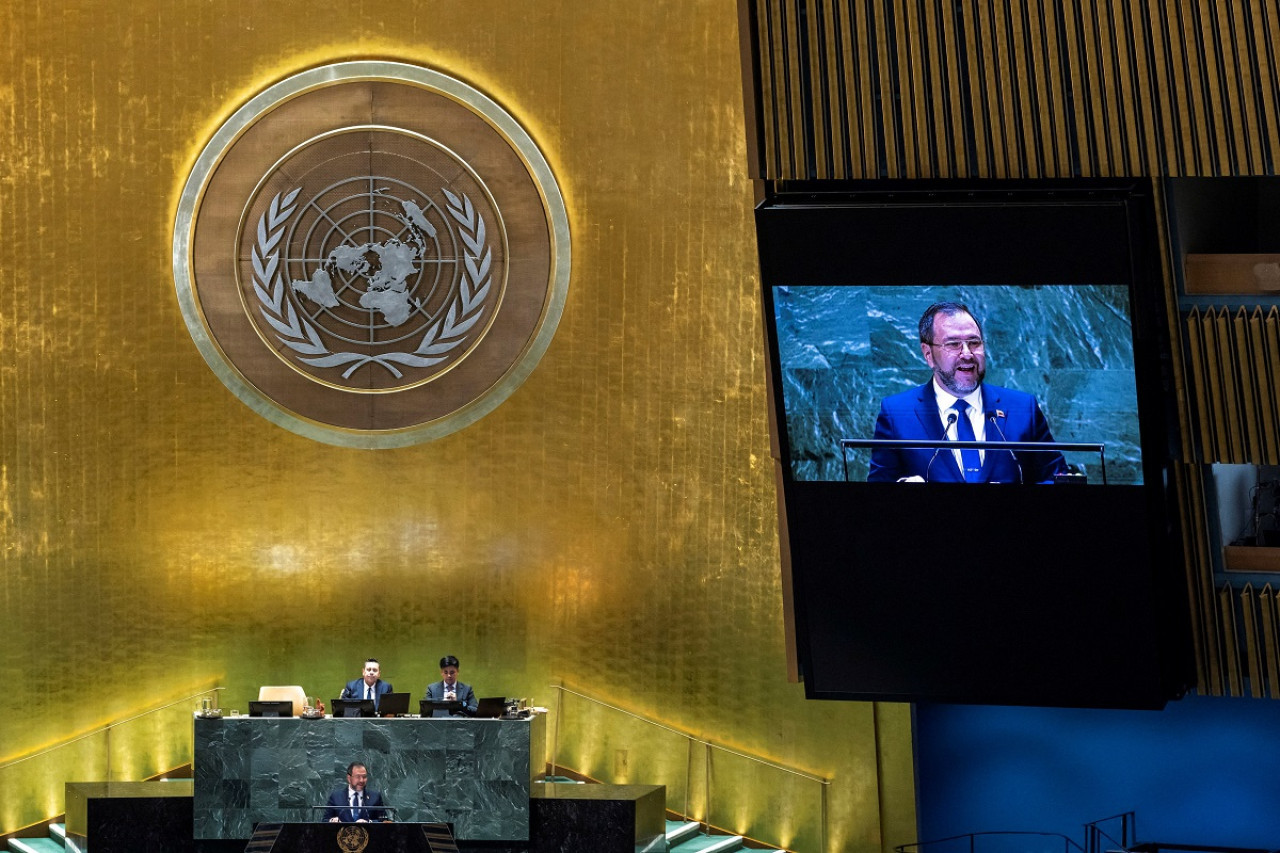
column 352, row 803
column 956, row 406
column 450, row 689
column 368, row 686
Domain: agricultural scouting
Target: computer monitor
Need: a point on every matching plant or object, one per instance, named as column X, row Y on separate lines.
column 276, row 708
column 393, row 704
column 351, row 707
column 493, row 706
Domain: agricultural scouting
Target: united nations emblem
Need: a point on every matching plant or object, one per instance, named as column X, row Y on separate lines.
column 371, row 254
column 352, row 839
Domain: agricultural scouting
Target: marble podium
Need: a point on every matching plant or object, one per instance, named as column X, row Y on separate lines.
column 472, row 773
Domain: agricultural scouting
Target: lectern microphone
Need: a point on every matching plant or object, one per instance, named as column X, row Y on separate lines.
column 946, row 433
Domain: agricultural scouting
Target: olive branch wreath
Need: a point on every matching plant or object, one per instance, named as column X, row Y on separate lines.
column 295, row 331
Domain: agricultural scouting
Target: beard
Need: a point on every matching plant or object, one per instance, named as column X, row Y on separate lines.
column 960, row 382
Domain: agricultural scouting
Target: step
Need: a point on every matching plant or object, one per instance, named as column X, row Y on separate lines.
column 682, row 830
column 58, row 831
column 709, row 844
column 35, row 845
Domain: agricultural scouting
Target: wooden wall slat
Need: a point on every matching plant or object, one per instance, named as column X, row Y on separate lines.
column 837, row 114
column 1266, row 18
column 906, row 31
column 820, row 107
column 766, row 69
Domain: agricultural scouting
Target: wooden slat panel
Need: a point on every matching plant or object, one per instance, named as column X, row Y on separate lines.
column 1252, row 645
column 837, row 115
column 1267, row 617
column 1134, row 85
column 1108, row 43
column 1163, row 79
column 1266, row 17
column 820, row 104
column 1044, row 79
column 1230, row 647
column 1083, row 136
column 767, row 114
column 1017, row 88
column 1243, row 62
column 988, row 109
column 798, row 134
column 1002, row 47
column 958, row 115
column 888, row 109
column 944, row 123
column 1199, row 582
column 1026, row 116
column 1200, row 100
column 906, row 32
column 867, row 106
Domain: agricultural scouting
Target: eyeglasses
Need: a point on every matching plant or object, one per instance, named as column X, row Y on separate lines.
column 975, row 346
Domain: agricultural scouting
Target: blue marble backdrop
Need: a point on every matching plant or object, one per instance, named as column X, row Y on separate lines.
column 843, row 349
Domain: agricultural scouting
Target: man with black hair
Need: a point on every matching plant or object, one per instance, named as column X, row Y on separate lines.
column 450, row 689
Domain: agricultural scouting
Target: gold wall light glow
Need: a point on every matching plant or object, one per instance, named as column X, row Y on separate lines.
column 611, row 525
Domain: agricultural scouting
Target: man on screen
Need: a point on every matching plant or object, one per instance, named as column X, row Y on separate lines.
column 352, row 803
column 956, row 406
column 369, row 685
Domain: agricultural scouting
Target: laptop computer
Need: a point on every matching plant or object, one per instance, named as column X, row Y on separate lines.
column 393, row 704
column 493, row 706
column 429, row 707
column 351, row 708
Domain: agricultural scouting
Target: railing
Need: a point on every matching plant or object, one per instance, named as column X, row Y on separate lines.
column 713, row 784
column 989, row 841
column 130, row 749
column 1094, row 835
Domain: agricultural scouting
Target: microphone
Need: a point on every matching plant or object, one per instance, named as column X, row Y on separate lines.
column 993, row 418
column 952, row 417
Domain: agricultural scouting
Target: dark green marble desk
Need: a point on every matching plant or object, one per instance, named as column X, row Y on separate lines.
column 473, row 773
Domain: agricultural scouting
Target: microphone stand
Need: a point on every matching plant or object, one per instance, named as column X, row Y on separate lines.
column 952, row 417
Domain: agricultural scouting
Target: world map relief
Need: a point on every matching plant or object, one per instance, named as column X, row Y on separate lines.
column 384, row 266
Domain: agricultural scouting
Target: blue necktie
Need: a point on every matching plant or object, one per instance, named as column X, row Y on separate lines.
column 964, row 432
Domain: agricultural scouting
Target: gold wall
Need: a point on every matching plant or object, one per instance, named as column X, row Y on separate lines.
column 611, row 526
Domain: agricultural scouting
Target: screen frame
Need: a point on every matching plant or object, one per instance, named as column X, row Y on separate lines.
column 803, row 235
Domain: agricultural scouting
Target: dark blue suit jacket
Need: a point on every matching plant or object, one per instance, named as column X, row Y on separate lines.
column 340, row 807
column 355, row 690
column 467, row 696
column 1011, row 416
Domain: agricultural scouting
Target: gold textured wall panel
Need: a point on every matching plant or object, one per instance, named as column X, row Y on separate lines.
column 1015, row 88
column 613, row 524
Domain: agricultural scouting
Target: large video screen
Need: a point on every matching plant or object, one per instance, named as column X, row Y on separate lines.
column 973, row 442
column 845, row 351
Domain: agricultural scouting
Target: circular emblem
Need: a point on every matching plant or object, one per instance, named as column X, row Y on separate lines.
column 352, row 839
column 371, row 254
